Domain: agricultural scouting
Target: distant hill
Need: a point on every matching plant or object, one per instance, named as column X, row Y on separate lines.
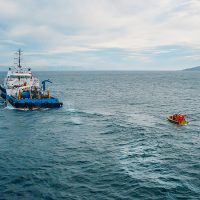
column 193, row 69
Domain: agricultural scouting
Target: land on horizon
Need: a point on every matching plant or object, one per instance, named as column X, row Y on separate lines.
column 192, row 69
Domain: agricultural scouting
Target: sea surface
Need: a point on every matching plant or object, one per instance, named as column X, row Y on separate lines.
column 110, row 140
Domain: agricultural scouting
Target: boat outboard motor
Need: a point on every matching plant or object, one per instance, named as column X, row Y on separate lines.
column 44, row 84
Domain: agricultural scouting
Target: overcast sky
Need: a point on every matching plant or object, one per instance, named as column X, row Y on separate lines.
column 101, row 34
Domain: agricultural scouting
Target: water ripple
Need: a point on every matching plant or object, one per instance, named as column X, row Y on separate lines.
column 111, row 139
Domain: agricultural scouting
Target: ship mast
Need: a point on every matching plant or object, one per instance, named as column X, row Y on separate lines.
column 19, row 58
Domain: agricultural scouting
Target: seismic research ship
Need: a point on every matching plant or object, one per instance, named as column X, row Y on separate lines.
column 22, row 90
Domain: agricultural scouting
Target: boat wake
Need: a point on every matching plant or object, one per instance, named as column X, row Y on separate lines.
column 9, row 107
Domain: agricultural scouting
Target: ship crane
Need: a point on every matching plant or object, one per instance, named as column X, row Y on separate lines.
column 44, row 84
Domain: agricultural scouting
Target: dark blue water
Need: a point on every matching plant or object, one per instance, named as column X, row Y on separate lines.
column 110, row 140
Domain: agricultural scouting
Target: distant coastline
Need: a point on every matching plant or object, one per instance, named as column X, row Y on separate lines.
column 193, row 69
